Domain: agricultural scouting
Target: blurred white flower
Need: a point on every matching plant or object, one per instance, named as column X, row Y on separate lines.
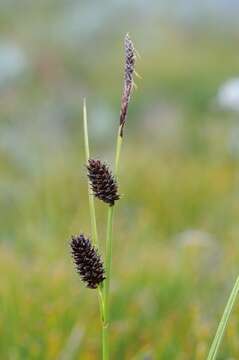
column 195, row 237
column 228, row 95
column 12, row 62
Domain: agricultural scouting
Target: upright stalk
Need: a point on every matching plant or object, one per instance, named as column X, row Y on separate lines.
column 130, row 58
column 103, row 185
column 93, row 223
column 223, row 323
column 109, row 232
column 103, row 296
column 91, row 197
column 106, row 285
column 118, row 151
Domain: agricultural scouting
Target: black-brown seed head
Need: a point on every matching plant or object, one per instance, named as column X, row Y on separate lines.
column 103, row 183
column 87, row 260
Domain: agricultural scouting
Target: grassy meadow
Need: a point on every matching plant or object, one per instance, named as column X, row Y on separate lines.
column 176, row 248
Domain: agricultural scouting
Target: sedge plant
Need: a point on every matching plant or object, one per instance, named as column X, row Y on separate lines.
column 103, row 185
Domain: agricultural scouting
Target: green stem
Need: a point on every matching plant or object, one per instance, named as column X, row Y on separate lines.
column 93, row 216
column 109, row 232
column 118, row 151
column 108, row 259
column 223, row 323
column 105, row 347
column 91, row 197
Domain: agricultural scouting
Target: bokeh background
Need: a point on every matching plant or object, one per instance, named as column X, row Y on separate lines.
column 176, row 249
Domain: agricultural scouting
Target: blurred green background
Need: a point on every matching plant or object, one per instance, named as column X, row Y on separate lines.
column 176, row 246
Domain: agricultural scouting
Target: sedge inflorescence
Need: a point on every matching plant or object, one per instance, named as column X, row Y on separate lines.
column 87, row 261
column 130, row 59
column 103, row 183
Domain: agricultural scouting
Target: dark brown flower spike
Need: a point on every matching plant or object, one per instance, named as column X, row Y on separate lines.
column 103, row 183
column 87, row 260
column 130, row 58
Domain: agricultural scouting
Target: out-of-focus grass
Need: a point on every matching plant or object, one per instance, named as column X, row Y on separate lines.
column 166, row 294
column 176, row 230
